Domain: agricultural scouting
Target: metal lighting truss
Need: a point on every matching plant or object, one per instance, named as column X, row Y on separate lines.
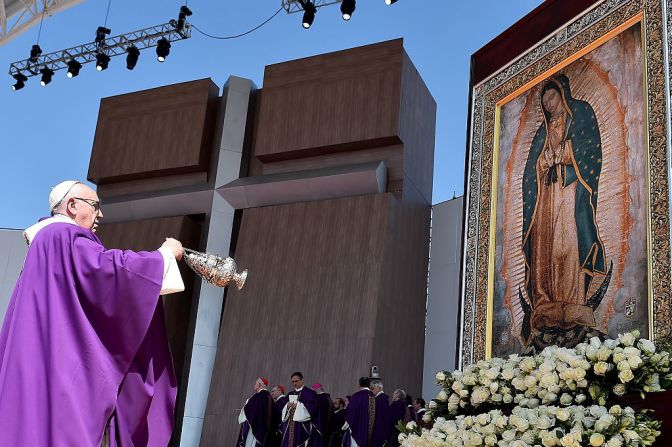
column 16, row 16
column 111, row 46
column 292, row 6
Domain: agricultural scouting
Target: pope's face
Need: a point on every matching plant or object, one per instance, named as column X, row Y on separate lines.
column 84, row 207
column 552, row 102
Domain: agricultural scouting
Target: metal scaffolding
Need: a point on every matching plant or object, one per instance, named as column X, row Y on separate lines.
column 16, row 16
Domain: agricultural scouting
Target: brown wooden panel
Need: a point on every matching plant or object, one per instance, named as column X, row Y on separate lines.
column 315, row 301
column 148, row 235
column 391, row 155
column 343, row 100
column 162, row 131
column 417, row 130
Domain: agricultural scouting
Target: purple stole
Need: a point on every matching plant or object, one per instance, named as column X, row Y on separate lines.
column 294, row 433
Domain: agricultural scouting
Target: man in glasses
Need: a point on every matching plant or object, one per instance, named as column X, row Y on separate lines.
column 84, row 357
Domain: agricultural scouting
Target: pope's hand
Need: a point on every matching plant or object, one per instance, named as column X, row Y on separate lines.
column 175, row 246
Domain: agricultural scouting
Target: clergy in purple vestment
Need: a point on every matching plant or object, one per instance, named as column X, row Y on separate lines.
column 381, row 429
column 299, row 414
column 83, row 345
column 324, row 411
column 360, row 417
column 279, row 402
column 399, row 412
column 255, row 417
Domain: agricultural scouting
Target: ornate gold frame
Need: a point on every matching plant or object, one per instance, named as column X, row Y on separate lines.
column 586, row 32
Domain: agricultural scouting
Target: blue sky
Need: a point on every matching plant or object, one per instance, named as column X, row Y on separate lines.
column 47, row 132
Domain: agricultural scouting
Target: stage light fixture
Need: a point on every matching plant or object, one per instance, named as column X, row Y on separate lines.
column 162, row 49
column 101, row 32
column 309, row 11
column 20, row 79
column 47, row 74
column 73, row 68
column 132, row 57
column 102, row 60
column 347, row 8
column 35, row 52
column 390, row 2
column 182, row 17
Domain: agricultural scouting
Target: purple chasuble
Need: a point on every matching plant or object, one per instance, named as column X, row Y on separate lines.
column 83, row 339
column 361, row 416
column 258, row 413
column 381, row 428
column 278, row 405
column 399, row 412
column 295, row 434
column 324, row 410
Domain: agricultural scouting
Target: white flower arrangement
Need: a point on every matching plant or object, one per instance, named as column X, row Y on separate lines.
column 546, row 426
column 592, row 371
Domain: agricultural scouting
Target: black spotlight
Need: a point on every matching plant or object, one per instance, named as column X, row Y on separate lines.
column 102, row 60
column 390, row 2
column 162, row 49
column 73, row 68
column 309, row 11
column 20, row 79
column 35, row 52
column 101, row 32
column 132, row 57
column 47, row 74
column 182, row 17
column 347, row 8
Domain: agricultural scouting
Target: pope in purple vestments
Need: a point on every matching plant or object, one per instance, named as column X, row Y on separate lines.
column 360, row 417
column 255, row 417
column 299, row 415
column 83, row 343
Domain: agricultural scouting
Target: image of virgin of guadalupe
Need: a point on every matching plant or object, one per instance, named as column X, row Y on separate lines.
column 560, row 241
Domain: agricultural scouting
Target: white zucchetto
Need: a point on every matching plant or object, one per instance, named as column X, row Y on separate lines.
column 59, row 191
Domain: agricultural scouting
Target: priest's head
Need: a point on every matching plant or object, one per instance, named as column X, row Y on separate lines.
column 260, row 384
column 76, row 201
column 376, row 386
column 277, row 391
column 297, row 380
column 399, row 395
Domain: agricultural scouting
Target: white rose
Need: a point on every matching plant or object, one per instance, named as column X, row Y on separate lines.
column 567, row 440
column 646, row 346
column 549, row 440
column 596, row 439
column 634, row 362
column 544, row 422
column 457, row 386
column 508, row 374
column 615, row 441
column 442, row 397
column 528, row 364
column 601, row 368
column 562, row 415
column 566, row 399
column 580, row 398
column 630, row 435
column 626, row 375
column 509, row 435
column 627, row 339
column 622, row 366
column 427, row 417
column 440, row 376
column 603, row 353
column 433, row 405
column 490, row 440
column 595, row 342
